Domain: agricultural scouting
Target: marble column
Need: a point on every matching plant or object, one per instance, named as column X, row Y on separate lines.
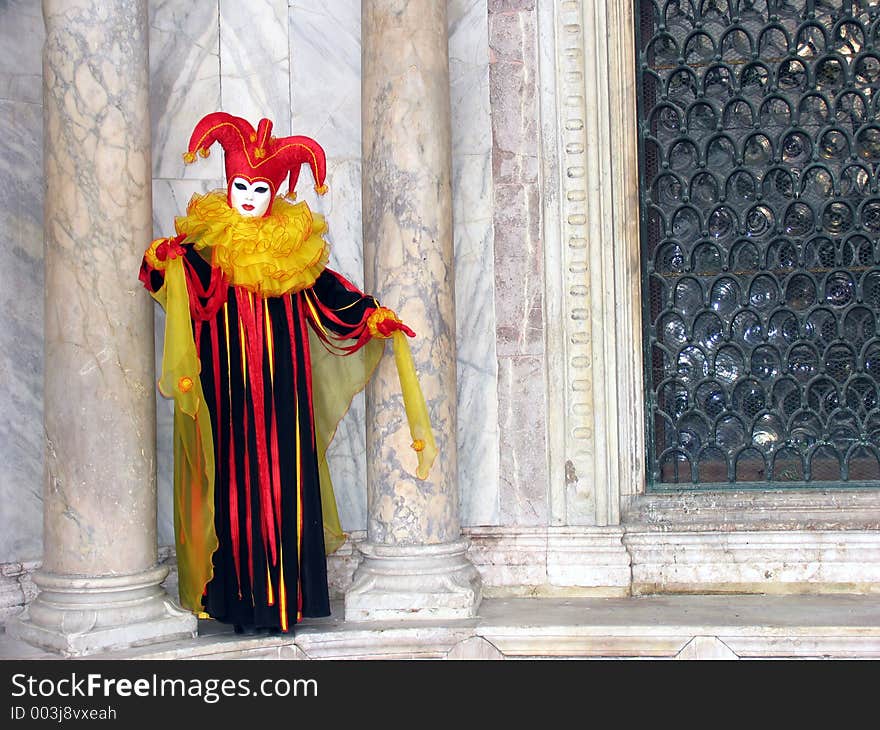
column 100, row 580
column 414, row 558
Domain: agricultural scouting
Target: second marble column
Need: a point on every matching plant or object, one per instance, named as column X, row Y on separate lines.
column 415, row 563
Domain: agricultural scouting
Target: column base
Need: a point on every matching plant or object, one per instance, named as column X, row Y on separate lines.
column 76, row 616
column 401, row 582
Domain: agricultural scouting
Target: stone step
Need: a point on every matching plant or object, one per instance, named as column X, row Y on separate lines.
column 658, row 626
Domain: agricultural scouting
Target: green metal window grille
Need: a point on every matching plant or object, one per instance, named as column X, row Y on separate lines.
column 759, row 147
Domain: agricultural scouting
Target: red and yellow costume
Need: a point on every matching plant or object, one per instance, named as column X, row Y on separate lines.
column 255, row 327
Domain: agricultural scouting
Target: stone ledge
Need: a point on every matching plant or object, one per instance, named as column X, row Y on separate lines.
column 760, row 561
column 663, row 627
column 791, row 509
column 667, row 556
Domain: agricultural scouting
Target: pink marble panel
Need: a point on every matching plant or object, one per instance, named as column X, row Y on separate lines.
column 513, row 95
column 519, row 262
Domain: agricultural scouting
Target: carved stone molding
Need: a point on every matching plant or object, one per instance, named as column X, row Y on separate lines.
column 570, row 324
column 594, row 340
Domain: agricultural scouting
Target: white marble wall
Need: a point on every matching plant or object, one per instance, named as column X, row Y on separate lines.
column 254, row 61
column 302, row 69
column 21, row 281
column 472, row 199
column 325, row 95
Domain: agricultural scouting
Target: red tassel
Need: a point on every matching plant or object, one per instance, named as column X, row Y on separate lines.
column 215, row 350
column 233, row 511
column 288, row 310
column 307, row 357
column 276, row 472
column 248, row 516
column 214, row 294
column 253, row 326
column 292, row 328
column 359, row 332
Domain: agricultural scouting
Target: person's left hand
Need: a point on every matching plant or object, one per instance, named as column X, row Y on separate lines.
column 383, row 322
column 389, row 325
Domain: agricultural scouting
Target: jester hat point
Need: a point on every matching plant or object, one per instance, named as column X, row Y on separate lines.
column 256, row 154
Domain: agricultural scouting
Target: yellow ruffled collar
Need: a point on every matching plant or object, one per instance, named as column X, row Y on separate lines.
column 279, row 254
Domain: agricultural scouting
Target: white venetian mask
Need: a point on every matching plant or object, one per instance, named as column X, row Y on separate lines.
column 250, row 199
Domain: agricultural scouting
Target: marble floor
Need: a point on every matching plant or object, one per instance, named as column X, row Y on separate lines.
column 673, row 627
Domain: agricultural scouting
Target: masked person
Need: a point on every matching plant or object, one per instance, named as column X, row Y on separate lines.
column 264, row 349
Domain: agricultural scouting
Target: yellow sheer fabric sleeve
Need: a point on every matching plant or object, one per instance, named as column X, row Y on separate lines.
column 335, row 382
column 193, row 442
column 413, row 399
column 414, row 403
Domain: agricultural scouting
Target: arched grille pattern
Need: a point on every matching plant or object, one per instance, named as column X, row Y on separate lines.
column 760, row 216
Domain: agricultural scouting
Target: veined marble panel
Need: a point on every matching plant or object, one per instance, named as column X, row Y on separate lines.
column 255, row 65
column 341, row 206
column 472, row 192
column 523, row 479
column 164, row 445
column 514, row 94
column 21, row 29
column 170, row 199
column 325, row 76
column 469, row 77
column 519, row 271
column 477, row 364
column 348, row 465
column 184, row 83
column 325, row 100
column 21, row 332
column 184, row 86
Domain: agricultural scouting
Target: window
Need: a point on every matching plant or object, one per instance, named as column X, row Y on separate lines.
column 760, row 215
